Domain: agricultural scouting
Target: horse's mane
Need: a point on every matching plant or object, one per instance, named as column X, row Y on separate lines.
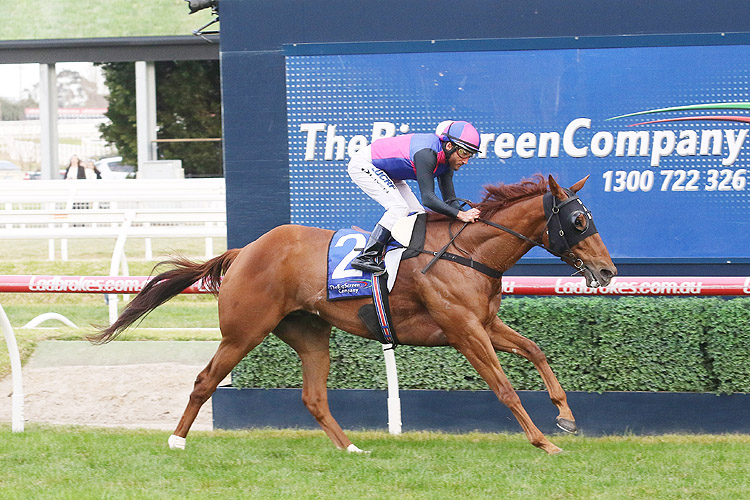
column 498, row 196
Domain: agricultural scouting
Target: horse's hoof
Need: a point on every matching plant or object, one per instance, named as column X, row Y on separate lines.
column 567, row 425
column 352, row 448
column 176, row 442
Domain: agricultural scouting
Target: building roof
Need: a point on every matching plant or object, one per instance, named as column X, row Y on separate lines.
column 116, row 49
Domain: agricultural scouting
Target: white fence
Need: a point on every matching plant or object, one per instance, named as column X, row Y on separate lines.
column 59, row 210
column 130, row 193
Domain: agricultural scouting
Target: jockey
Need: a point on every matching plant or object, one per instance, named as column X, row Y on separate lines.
column 381, row 168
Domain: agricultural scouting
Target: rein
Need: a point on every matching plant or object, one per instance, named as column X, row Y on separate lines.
column 577, row 263
column 568, row 257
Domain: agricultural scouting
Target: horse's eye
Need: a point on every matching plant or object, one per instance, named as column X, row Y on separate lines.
column 580, row 222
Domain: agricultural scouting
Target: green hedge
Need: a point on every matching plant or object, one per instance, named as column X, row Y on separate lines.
column 592, row 344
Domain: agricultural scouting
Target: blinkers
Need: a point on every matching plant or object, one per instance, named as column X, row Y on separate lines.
column 569, row 222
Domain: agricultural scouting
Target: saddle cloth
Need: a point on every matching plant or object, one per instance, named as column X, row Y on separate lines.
column 344, row 282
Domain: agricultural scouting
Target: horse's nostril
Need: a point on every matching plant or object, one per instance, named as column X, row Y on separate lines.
column 606, row 274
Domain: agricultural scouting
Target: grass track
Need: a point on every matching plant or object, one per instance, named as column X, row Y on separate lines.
column 62, row 463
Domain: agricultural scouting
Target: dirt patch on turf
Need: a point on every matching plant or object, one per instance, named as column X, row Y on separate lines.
column 149, row 395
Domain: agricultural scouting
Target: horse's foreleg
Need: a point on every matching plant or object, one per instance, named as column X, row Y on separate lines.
column 309, row 337
column 229, row 353
column 506, row 339
column 474, row 343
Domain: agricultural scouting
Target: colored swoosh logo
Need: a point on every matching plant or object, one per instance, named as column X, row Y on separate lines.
column 694, row 107
column 723, row 118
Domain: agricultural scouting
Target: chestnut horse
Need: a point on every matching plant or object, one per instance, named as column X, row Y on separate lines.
column 278, row 284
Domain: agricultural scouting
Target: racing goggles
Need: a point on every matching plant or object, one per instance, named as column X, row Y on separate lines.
column 463, row 153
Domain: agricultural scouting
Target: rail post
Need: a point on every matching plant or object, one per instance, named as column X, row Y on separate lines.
column 15, row 366
column 394, row 401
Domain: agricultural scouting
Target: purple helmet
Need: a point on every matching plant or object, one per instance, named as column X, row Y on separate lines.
column 462, row 134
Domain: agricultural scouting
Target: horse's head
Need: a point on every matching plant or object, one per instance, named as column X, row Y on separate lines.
column 571, row 232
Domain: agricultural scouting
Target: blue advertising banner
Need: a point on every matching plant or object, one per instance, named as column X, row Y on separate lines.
column 662, row 131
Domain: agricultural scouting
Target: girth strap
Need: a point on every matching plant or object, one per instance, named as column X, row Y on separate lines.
column 478, row 266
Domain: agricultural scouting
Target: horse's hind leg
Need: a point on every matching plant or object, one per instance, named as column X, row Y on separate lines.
column 504, row 338
column 309, row 336
column 230, row 352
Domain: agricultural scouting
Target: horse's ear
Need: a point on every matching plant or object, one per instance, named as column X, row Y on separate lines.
column 578, row 185
column 555, row 189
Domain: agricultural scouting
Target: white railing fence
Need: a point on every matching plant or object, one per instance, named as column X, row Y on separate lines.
column 59, row 210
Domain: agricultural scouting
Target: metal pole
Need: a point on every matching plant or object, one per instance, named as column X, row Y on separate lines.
column 48, row 121
column 145, row 109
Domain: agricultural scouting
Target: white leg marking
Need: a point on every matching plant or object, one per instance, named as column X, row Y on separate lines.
column 353, row 449
column 176, row 442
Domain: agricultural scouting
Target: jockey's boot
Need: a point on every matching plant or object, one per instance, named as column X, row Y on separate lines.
column 365, row 261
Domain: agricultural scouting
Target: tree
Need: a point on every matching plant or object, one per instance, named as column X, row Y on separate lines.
column 121, row 129
column 75, row 91
column 14, row 110
column 188, row 105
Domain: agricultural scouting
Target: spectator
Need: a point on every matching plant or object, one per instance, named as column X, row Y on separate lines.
column 91, row 171
column 75, row 169
column 81, row 170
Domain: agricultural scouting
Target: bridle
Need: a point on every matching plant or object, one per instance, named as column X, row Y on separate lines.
column 560, row 227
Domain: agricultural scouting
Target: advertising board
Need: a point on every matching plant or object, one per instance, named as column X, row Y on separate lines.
column 661, row 131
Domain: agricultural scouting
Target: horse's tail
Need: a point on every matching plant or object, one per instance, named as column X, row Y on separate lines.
column 165, row 286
